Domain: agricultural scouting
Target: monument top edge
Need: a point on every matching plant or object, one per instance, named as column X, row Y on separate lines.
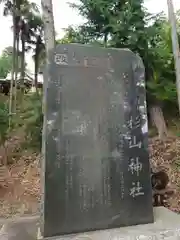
column 88, row 46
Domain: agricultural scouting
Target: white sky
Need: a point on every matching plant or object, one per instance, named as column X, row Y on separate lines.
column 64, row 16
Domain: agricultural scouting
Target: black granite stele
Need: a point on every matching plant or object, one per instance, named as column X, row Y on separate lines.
column 97, row 172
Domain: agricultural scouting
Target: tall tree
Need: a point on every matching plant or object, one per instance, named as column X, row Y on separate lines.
column 99, row 17
column 10, row 9
column 49, row 33
column 126, row 24
column 16, row 8
column 28, row 10
column 36, row 28
column 175, row 45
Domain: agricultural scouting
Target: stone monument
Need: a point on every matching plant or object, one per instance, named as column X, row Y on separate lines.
column 95, row 169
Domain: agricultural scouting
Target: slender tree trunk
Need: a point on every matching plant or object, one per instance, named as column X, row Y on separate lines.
column 175, row 45
column 22, row 65
column 49, row 36
column 105, row 39
column 36, row 73
column 17, row 20
column 49, row 33
column 158, row 120
column 36, row 64
column 16, row 71
column 13, row 67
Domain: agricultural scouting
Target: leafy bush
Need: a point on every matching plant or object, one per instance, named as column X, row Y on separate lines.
column 33, row 120
column 30, row 118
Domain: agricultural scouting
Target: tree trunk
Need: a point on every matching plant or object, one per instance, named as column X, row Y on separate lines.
column 16, row 71
column 49, row 35
column 105, row 39
column 36, row 74
column 13, row 67
column 158, row 120
column 36, row 65
column 175, row 45
column 22, row 64
column 48, row 19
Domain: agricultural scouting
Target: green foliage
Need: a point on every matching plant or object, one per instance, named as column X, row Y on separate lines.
column 29, row 118
column 36, row 41
column 161, row 84
column 34, row 125
column 27, row 30
column 5, row 63
column 127, row 24
column 33, row 122
column 72, row 36
column 80, row 35
column 4, row 117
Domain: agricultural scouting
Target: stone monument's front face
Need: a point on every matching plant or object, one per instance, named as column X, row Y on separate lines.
column 97, row 172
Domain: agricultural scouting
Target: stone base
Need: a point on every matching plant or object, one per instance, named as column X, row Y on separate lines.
column 19, row 228
column 166, row 226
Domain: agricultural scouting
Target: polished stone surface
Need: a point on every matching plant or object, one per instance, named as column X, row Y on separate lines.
column 95, row 166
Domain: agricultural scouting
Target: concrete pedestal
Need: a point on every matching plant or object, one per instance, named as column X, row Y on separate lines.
column 166, row 226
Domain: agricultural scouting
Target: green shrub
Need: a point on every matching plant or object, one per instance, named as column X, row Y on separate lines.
column 34, row 122
column 29, row 117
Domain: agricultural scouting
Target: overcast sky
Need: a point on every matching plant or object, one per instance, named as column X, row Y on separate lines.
column 65, row 16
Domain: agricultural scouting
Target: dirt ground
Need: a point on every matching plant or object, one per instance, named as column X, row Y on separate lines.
column 166, row 156
column 20, row 182
column 21, row 191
